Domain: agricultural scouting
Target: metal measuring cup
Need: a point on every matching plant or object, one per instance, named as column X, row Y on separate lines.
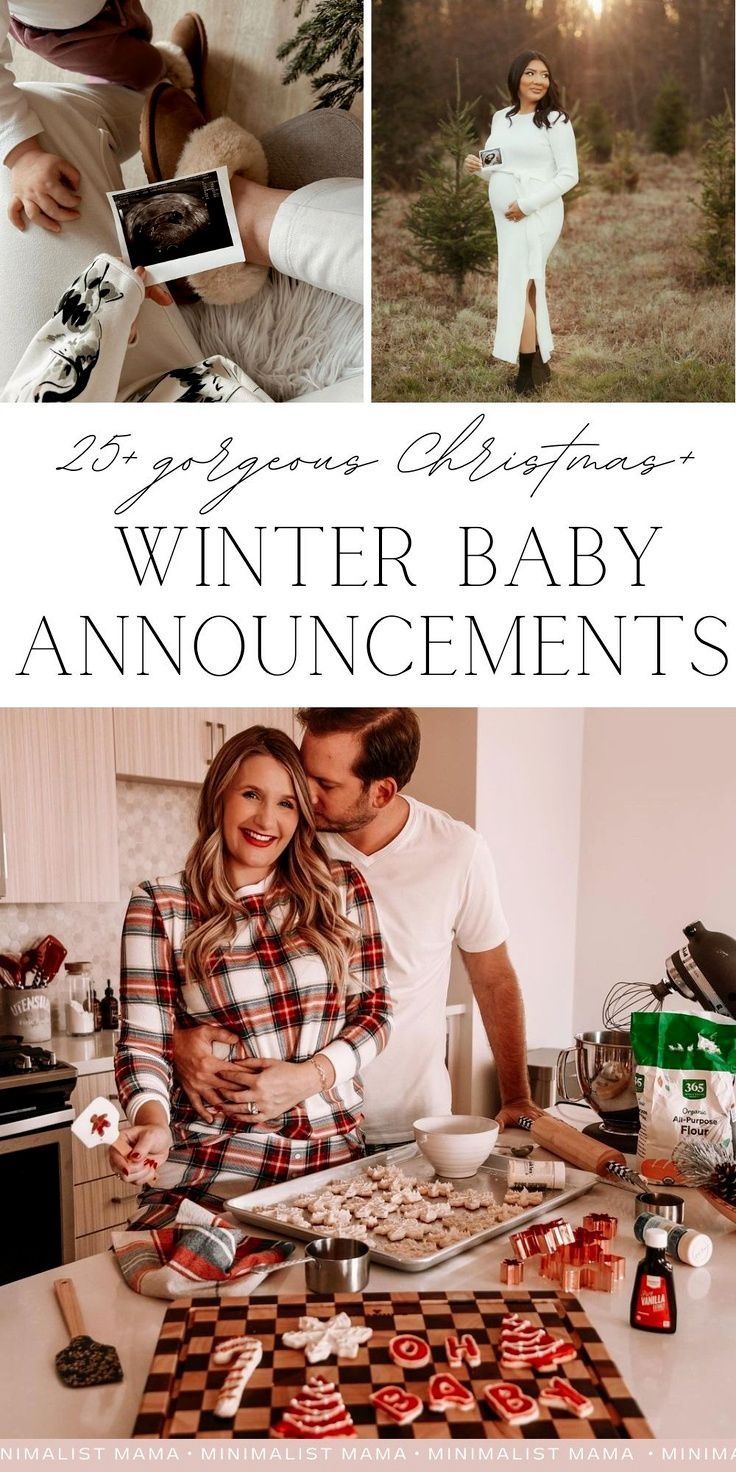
column 331, row 1265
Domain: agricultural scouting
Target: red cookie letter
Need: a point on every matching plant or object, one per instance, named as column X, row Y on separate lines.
column 400, row 1404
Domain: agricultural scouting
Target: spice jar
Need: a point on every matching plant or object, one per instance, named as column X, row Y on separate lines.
column 695, row 1248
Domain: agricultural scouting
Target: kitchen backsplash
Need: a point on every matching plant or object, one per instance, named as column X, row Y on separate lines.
column 156, row 827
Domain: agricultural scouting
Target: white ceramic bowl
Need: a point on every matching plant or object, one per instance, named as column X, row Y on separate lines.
column 455, row 1144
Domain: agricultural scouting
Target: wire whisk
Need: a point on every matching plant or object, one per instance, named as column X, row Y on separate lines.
column 626, row 997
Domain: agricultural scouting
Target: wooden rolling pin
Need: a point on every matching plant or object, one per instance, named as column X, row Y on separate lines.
column 569, row 1144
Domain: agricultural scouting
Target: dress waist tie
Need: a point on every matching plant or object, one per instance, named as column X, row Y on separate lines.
column 531, row 223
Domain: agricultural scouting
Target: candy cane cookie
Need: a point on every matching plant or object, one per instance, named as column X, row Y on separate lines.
column 243, row 1355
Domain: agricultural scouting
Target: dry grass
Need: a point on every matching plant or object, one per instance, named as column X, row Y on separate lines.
column 631, row 324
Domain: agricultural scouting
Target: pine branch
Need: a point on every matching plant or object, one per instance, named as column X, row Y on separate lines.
column 334, row 30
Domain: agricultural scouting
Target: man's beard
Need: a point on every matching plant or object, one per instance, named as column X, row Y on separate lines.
column 351, row 823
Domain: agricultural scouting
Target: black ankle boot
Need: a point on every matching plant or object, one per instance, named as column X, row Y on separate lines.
column 524, row 383
column 542, row 373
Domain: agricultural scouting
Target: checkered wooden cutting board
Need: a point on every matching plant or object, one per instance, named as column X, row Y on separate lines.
column 183, row 1385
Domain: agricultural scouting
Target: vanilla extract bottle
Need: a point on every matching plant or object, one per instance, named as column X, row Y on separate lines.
column 653, row 1305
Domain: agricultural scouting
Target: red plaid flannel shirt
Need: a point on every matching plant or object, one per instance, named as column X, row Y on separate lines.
column 275, row 993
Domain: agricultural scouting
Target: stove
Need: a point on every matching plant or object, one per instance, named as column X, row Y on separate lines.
column 35, row 1088
column 35, row 1159
column 16, row 1056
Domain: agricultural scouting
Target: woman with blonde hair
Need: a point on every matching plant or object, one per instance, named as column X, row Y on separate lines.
column 261, row 934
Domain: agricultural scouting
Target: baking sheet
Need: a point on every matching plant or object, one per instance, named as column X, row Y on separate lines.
column 492, row 1177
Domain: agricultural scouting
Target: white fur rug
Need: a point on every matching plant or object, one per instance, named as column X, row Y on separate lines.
column 290, row 338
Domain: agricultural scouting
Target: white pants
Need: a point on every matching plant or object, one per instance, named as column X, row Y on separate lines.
column 316, row 235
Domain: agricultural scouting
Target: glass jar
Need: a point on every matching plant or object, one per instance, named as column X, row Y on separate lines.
column 79, row 1015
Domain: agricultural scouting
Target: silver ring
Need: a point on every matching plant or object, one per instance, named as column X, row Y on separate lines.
column 251, row 1108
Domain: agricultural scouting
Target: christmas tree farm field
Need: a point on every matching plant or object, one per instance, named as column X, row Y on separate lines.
column 631, row 320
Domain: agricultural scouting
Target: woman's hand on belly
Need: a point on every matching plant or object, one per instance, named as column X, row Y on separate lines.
column 268, row 1088
column 196, row 1068
column 513, row 212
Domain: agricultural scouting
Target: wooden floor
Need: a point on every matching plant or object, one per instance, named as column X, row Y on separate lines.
column 244, row 76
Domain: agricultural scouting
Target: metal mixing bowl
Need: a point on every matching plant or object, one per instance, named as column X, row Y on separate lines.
column 604, row 1066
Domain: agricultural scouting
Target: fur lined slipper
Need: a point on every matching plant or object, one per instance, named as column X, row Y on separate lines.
column 223, row 144
column 168, row 119
column 190, row 33
column 178, row 71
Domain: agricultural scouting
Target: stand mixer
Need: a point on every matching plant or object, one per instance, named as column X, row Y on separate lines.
column 704, row 972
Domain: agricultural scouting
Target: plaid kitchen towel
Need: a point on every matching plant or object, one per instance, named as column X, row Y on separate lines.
column 199, row 1253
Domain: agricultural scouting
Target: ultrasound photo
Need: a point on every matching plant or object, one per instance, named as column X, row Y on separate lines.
column 490, row 156
column 178, row 227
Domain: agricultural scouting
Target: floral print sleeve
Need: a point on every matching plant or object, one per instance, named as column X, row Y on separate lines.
column 79, row 353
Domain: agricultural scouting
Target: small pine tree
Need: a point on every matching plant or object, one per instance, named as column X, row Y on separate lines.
column 715, row 242
column 598, row 132
column 622, row 174
column 333, row 29
column 450, row 220
column 668, row 131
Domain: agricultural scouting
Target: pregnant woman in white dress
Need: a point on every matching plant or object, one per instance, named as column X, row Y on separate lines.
column 534, row 163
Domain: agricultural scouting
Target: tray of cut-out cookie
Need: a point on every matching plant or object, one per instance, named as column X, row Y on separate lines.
column 410, row 1217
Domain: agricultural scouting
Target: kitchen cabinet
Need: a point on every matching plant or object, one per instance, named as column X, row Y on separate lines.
column 102, row 1205
column 178, row 745
column 102, row 1201
column 59, row 815
column 93, row 1243
column 89, row 1165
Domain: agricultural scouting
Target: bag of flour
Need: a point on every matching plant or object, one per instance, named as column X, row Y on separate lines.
column 685, row 1080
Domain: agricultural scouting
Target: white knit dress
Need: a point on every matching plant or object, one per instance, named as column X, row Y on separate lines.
column 538, row 166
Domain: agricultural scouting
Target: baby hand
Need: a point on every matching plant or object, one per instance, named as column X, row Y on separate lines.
column 45, row 189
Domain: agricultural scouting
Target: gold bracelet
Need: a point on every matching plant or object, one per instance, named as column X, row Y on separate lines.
column 321, row 1073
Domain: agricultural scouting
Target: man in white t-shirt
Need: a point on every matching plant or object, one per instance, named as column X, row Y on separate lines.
column 434, row 884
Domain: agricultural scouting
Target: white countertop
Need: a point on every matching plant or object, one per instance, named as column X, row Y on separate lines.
column 92, row 1054
column 683, row 1382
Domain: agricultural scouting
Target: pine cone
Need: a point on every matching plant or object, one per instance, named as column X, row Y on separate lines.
column 723, row 1183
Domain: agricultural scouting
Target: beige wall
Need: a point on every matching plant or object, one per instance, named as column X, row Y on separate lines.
column 445, row 774
column 528, row 809
column 658, row 842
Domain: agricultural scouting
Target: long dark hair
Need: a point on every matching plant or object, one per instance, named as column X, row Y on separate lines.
column 547, row 104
